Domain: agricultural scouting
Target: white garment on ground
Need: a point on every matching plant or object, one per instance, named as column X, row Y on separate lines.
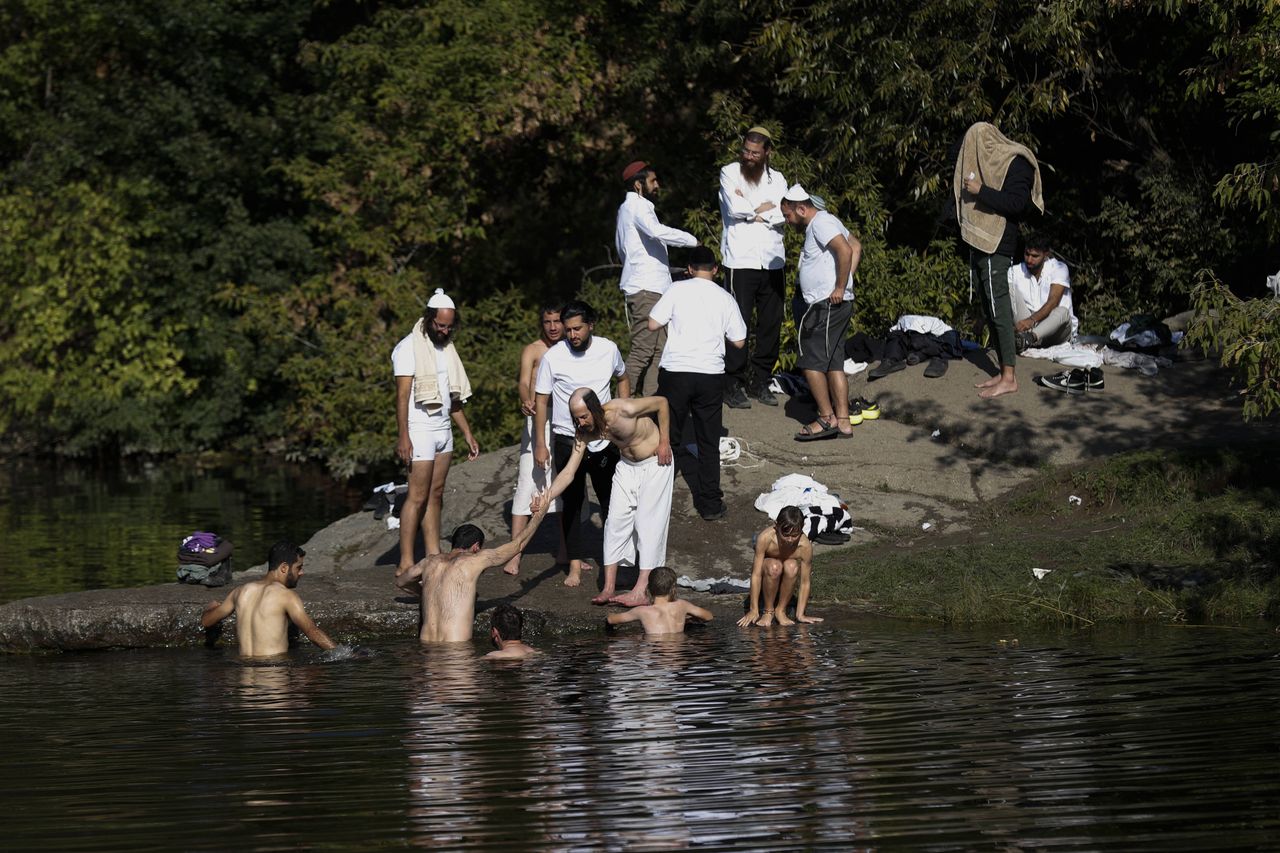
column 642, row 246
column 744, row 243
column 796, row 490
column 564, row 370
column 705, row 584
column 402, row 364
column 852, row 367
column 1032, row 292
column 639, row 513
column 700, row 316
column 1094, row 355
column 530, row 478
column 922, row 323
column 818, row 263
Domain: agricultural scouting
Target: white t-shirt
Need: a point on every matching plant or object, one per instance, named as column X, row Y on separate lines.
column 403, row 363
column 700, row 316
column 817, row 263
column 744, row 243
column 1034, row 292
column 563, row 371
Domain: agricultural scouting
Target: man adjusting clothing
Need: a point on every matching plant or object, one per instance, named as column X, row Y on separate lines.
column 642, row 243
column 754, row 260
column 1040, row 288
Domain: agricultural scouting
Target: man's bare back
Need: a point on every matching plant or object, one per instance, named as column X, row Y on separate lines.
column 664, row 616
column 264, row 608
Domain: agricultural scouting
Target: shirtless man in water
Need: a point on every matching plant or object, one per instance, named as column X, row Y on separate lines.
column 667, row 613
column 507, row 626
column 783, row 556
column 640, row 503
column 447, row 582
column 264, row 608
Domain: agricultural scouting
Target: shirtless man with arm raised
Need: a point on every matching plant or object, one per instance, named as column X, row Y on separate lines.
column 264, row 608
column 640, row 503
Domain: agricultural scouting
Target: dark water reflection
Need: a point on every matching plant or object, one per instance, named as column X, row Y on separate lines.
column 67, row 527
column 842, row 737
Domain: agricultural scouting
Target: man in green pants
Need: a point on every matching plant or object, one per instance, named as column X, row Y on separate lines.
column 996, row 186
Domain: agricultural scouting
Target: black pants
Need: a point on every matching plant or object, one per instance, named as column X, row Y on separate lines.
column 600, row 466
column 699, row 395
column 761, row 291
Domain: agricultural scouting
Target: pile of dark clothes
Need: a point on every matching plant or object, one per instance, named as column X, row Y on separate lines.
column 901, row 349
column 205, row 558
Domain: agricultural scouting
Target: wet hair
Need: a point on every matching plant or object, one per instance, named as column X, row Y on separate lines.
column 283, row 551
column 662, row 581
column 592, row 402
column 549, row 307
column 577, row 308
column 790, row 518
column 759, row 139
column 430, row 314
column 702, row 259
column 1039, row 242
column 466, row 535
column 508, row 621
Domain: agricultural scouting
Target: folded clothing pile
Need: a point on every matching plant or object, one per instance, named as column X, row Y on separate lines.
column 205, row 558
column 824, row 512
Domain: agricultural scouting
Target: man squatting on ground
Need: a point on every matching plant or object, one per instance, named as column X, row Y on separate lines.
column 642, row 248
column 446, row 583
column 640, row 499
column 996, row 184
column 783, row 555
column 431, row 386
column 264, row 608
column 581, row 360
column 532, row 477
column 667, row 613
column 506, row 627
column 827, row 263
column 1040, row 288
column 754, row 260
column 699, row 317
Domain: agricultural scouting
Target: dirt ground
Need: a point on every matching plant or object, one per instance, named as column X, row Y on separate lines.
column 936, row 452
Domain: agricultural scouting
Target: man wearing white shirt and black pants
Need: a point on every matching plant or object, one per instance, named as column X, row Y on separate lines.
column 827, row 264
column 642, row 243
column 754, row 260
column 1040, row 287
column 700, row 317
column 581, row 360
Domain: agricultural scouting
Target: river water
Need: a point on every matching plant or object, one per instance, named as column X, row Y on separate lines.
column 851, row 735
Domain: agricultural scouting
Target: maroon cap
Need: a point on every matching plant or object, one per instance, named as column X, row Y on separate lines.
column 632, row 170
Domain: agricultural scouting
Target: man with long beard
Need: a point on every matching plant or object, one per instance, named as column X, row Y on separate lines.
column 754, row 260
column 431, row 386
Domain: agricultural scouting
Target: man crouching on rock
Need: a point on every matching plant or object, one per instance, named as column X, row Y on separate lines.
column 264, row 608
column 447, row 582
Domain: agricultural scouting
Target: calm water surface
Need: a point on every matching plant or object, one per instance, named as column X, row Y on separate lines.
column 850, row 736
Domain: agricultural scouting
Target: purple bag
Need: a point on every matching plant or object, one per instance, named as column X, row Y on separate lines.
column 200, row 542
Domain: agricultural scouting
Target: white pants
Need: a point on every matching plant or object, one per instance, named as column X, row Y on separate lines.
column 639, row 513
column 530, row 477
column 1052, row 330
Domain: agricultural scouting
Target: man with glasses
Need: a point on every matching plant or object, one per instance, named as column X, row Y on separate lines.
column 431, row 386
column 753, row 259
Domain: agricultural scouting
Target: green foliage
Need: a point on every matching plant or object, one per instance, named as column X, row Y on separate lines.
column 1246, row 332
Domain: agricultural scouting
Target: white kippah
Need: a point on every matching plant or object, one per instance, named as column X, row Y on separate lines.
column 795, row 193
column 440, row 300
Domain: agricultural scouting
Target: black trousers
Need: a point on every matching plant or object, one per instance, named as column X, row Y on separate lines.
column 599, row 465
column 700, row 396
column 760, row 291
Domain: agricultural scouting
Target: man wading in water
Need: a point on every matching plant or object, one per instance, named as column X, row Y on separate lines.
column 264, row 608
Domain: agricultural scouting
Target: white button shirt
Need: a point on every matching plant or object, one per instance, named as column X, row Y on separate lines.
column 744, row 243
column 642, row 246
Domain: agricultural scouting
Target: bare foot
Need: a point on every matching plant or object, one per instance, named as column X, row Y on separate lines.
column 513, row 566
column 575, row 573
column 992, row 381
column 766, row 619
column 784, row 620
column 402, row 569
column 998, row 389
column 630, row 599
column 604, row 596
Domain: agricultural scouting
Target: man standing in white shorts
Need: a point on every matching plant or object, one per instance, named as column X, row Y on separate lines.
column 431, row 386
column 533, row 478
column 640, row 503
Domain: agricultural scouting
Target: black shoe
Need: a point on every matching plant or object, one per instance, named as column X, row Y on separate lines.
column 713, row 514
column 1023, row 341
column 937, row 367
column 914, row 358
column 1096, row 380
column 886, row 367
column 1071, row 381
column 736, row 398
column 763, row 394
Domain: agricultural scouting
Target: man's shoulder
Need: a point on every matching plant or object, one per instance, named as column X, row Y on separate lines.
column 535, row 349
column 731, row 170
column 1056, row 270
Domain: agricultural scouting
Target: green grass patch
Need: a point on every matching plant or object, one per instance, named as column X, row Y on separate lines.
column 1166, row 535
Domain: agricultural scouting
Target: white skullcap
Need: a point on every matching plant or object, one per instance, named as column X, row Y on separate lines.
column 796, row 193
column 439, row 300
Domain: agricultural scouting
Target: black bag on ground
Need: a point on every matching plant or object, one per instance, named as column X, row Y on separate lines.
column 215, row 575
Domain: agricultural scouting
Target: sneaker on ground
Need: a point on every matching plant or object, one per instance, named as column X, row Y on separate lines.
column 886, row 367
column 870, row 410
column 855, row 413
column 713, row 514
column 763, row 394
column 1071, row 381
column 1096, row 380
column 736, row 398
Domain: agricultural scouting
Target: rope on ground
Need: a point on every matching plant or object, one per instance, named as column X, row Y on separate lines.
column 733, row 449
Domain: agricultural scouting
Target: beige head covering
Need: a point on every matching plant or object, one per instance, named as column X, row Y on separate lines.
column 986, row 153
